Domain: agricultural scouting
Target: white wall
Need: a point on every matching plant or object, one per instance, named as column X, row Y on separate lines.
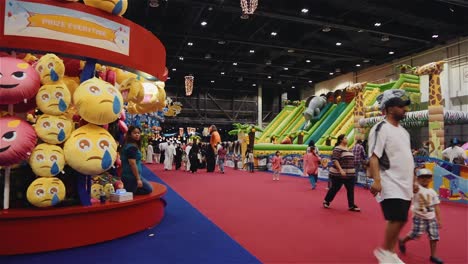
column 454, row 78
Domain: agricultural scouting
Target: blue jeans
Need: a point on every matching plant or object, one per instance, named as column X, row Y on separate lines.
column 130, row 184
column 313, row 178
column 221, row 164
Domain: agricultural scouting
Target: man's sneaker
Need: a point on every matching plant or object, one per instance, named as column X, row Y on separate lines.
column 436, row 260
column 355, row 208
column 326, row 204
column 401, row 246
column 387, row 257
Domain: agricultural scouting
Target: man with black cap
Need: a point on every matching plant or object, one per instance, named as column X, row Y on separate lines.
column 392, row 168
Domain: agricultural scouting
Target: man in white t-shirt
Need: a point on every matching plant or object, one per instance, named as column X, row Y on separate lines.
column 392, row 168
column 454, row 153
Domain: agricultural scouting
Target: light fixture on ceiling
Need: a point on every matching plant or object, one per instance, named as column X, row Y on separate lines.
column 285, row 68
column 153, row 3
column 360, row 30
column 269, row 77
column 338, row 43
column 254, row 84
column 358, row 65
column 240, row 79
column 331, row 73
column 203, row 23
column 366, row 61
column 174, row 69
column 293, row 87
column 268, row 62
column 208, row 56
column 435, row 36
column 189, row 43
column 212, row 81
column 221, row 42
column 222, row 73
column 304, row 10
column 279, row 82
column 377, row 24
column 168, row 78
column 273, row 33
column 234, row 63
column 290, row 51
column 337, row 70
column 308, row 61
column 326, row 29
column 391, row 52
column 252, row 51
column 385, row 38
column 181, row 58
column 310, row 81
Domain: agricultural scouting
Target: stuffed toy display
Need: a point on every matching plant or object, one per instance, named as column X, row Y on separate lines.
column 17, row 140
column 47, row 160
column 98, row 102
column 115, row 7
column 50, row 68
column 53, row 129
column 90, row 150
column 19, row 82
column 96, row 190
column 53, row 99
column 46, row 192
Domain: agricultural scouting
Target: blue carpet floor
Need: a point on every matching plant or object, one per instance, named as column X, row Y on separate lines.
column 183, row 236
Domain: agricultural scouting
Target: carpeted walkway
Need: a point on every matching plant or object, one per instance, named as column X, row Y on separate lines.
column 284, row 222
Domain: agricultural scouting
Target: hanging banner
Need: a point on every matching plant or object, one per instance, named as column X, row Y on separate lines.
column 37, row 20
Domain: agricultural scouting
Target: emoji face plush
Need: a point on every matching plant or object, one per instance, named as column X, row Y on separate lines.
column 47, row 160
column 98, row 102
column 122, row 75
column 18, row 81
column 115, row 7
column 96, row 190
column 108, row 189
column 46, row 192
column 90, row 150
column 17, row 140
column 50, row 68
column 53, row 129
column 53, row 99
column 132, row 90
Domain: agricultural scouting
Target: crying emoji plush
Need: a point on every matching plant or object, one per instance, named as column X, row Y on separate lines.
column 47, row 160
column 53, row 129
column 53, row 99
column 45, row 192
column 50, row 68
column 98, row 102
column 90, row 150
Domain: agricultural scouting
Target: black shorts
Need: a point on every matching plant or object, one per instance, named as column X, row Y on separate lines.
column 395, row 209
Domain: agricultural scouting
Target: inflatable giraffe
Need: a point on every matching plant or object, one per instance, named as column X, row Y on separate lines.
column 359, row 111
column 436, row 105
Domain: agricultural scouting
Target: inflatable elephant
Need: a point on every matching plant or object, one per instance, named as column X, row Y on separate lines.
column 313, row 109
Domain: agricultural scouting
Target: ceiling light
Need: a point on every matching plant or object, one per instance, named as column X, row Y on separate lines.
column 254, row 84
column 337, row 70
column 190, row 43
column 268, row 62
column 304, row 10
column 435, row 36
column 252, row 51
column 326, row 29
column 208, row 56
column 293, row 87
column 273, row 33
column 385, row 38
column 181, row 58
column 391, row 52
column 279, row 82
column 221, row 42
column 222, row 73
column 310, row 81
column 338, row 43
column 212, row 81
column 366, row 60
column 331, row 73
column 286, row 68
column 174, row 69
column 168, row 78
column 308, row 61
column 210, row 8
column 360, row 31
column 240, row 79
column 290, row 51
column 234, row 63
column 358, row 65
column 269, row 77
column 203, row 23
column 377, row 24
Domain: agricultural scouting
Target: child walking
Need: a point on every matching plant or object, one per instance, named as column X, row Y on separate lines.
column 276, row 162
column 426, row 215
column 311, row 163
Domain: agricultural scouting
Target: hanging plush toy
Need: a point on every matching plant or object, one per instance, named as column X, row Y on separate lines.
column 98, row 102
column 53, row 99
column 90, row 150
column 46, row 192
column 115, row 7
column 17, row 140
column 18, row 81
column 50, row 68
column 47, row 160
column 53, row 129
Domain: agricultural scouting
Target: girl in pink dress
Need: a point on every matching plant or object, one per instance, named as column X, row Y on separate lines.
column 276, row 164
column 311, row 163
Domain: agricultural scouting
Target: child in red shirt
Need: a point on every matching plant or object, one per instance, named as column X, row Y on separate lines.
column 311, row 163
column 276, row 162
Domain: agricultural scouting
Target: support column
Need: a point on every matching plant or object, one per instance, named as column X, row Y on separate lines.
column 260, row 106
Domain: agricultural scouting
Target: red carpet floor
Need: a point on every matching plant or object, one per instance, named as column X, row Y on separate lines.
column 284, row 222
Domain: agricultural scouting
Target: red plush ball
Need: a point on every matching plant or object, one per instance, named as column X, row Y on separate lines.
column 18, row 81
column 17, row 140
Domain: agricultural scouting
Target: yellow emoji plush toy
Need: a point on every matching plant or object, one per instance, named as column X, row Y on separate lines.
column 90, row 150
column 96, row 190
column 115, row 7
column 132, row 90
column 47, row 160
column 98, row 102
column 53, row 129
column 108, row 189
column 50, row 68
column 45, row 192
column 53, row 99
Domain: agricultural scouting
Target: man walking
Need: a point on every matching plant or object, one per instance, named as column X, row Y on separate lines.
column 392, row 168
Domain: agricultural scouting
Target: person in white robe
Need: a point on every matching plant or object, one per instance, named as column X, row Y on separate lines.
column 169, row 156
column 149, row 154
column 187, row 151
